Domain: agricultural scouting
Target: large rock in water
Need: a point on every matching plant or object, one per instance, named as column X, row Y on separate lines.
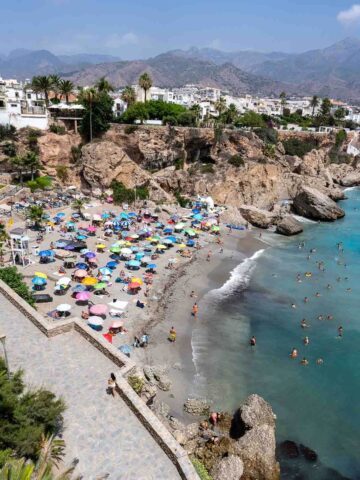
column 351, row 180
column 256, row 216
column 311, row 203
column 289, row 226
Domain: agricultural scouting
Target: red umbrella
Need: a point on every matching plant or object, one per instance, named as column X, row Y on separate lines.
column 134, row 285
column 108, row 337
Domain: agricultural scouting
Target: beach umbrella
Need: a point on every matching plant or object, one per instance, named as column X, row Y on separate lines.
column 137, row 280
column 105, row 215
column 132, row 214
column 108, row 337
column 139, row 256
column 40, row 275
column 39, row 281
column 134, row 285
column 146, row 260
column 63, row 281
column 190, row 232
column 46, row 253
column 90, row 255
column 69, row 247
column 79, row 288
column 133, row 263
column 105, row 271
column 100, row 286
column 124, row 215
column 75, row 215
column 60, row 214
column 198, row 217
column 64, row 307
column 80, row 273
column 125, row 251
column 92, row 260
column 152, row 266
column 101, row 246
column 98, row 309
column 134, row 248
column 70, row 224
column 96, row 217
column 125, row 349
column 117, row 324
column 215, row 228
column 91, row 228
column 105, row 278
column 168, row 230
column 134, row 236
column 81, row 237
column 90, row 281
column 115, row 249
column 112, row 265
column 172, row 239
column 179, row 226
column 182, row 245
column 82, row 265
column 60, row 244
column 167, row 241
column 83, row 296
column 160, row 247
column 95, row 320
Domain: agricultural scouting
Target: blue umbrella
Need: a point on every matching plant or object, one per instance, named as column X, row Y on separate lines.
column 90, row 255
column 82, row 266
column 152, row 266
column 39, row 281
column 168, row 230
column 195, row 210
column 132, row 214
column 46, row 253
column 133, row 263
column 69, row 247
column 167, row 241
column 81, row 237
column 60, row 244
column 134, row 248
column 70, row 224
column 112, row 265
column 139, row 255
column 172, row 238
column 60, row 214
column 126, row 349
column 124, row 215
column 105, row 271
column 78, row 288
column 198, row 217
column 190, row 243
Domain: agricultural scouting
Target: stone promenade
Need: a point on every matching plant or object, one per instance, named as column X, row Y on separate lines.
column 100, row 430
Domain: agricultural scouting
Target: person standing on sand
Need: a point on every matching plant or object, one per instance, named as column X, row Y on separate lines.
column 195, row 310
column 112, row 384
column 208, row 257
column 172, row 335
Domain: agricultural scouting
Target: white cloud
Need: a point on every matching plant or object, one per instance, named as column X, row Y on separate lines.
column 352, row 15
column 116, row 40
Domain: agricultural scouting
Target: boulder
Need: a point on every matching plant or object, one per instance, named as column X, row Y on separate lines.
column 313, row 204
column 197, row 406
column 289, row 226
column 256, row 216
column 309, row 454
column 255, row 411
column 180, row 437
column 351, row 180
column 164, row 382
column 289, row 449
column 229, row 468
column 336, row 194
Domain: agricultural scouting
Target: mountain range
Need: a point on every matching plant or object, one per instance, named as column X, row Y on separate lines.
column 333, row 71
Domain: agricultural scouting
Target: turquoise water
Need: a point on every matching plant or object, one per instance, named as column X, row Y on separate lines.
column 317, row 405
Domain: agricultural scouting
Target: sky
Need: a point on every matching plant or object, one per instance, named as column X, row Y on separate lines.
column 145, row 28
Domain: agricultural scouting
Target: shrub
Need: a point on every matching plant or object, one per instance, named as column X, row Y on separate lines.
column 7, row 132
column 251, row 119
column 170, row 120
column 75, row 153
column 9, row 149
column 269, row 150
column 207, row 168
column 267, row 135
column 187, row 119
column 340, row 138
column 26, row 415
column 299, row 147
column 179, row 164
column 129, row 129
column 40, row 183
column 14, row 280
column 201, row 469
column 136, row 383
column 62, row 172
column 58, row 129
column 34, row 132
column 182, row 201
column 121, row 194
column 236, row 161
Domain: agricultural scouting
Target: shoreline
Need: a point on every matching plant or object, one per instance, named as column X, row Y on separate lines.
column 174, row 309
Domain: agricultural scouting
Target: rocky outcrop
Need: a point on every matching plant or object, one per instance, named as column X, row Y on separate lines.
column 229, row 468
column 313, row 204
column 256, row 216
column 197, row 406
column 289, row 226
column 351, row 180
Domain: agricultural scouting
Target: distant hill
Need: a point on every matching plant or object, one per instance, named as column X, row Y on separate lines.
column 172, row 69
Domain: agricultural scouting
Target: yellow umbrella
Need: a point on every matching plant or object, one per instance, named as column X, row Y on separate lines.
column 51, row 224
column 182, row 245
column 100, row 245
column 89, row 281
column 128, row 244
column 160, row 247
column 40, row 274
column 137, row 280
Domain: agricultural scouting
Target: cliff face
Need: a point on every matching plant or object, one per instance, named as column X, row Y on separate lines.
column 234, row 167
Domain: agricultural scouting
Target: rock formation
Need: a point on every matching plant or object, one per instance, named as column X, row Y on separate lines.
column 256, row 216
column 289, row 226
column 311, row 203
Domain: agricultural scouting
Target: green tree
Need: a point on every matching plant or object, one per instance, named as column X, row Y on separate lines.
column 231, row 114
column 98, row 113
column 251, row 119
column 32, row 163
column 78, row 205
column 128, row 95
column 137, row 111
column 55, row 88
column 43, row 84
column 283, row 101
column 220, row 105
column 35, row 214
column 104, row 86
column 62, row 172
column 314, row 102
column 3, row 240
column 325, row 107
column 340, row 113
column 145, row 82
column 66, row 88
column 196, row 110
column 14, row 280
column 18, row 164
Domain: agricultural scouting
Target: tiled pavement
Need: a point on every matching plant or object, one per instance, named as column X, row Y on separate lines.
column 99, row 430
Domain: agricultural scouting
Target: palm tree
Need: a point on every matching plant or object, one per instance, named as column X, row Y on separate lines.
column 104, row 85
column 145, row 82
column 35, row 214
column 314, row 102
column 52, row 451
column 66, row 88
column 283, row 101
column 87, row 97
column 55, row 79
column 196, row 111
column 32, row 162
column 220, row 105
column 78, row 205
column 18, row 163
column 3, row 239
column 43, row 84
column 128, row 95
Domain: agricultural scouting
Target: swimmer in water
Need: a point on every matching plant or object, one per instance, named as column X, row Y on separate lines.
column 329, row 317
column 317, row 294
column 320, row 317
column 304, row 362
column 348, row 289
column 293, row 305
column 303, row 323
column 328, row 286
column 340, row 331
column 253, row 341
column 306, row 300
column 306, row 341
column 294, row 353
column 319, row 361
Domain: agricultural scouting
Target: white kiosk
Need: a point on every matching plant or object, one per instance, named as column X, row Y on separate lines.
column 19, row 244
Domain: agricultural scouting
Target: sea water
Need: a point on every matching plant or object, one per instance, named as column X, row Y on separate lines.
column 316, row 405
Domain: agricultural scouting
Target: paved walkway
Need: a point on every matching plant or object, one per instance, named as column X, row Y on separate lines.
column 99, row 430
